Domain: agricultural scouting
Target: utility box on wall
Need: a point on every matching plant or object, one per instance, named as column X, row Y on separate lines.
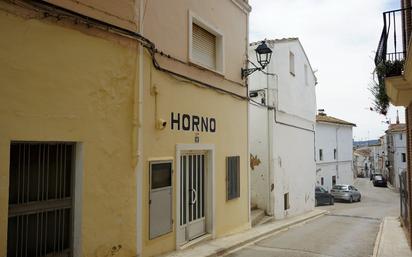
column 160, row 210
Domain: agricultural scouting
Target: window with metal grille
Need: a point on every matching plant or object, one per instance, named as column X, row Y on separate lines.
column 40, row 199
column 233, row 177
column 203, row 47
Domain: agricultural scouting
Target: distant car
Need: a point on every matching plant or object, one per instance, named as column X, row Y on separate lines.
column 379, row 180
column 322, row 196
column 346, row 192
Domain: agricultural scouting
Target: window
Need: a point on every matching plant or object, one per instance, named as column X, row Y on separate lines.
column 306, row 75
column 403, row 157
column 286, row 201
column 321, row 181
column 333, row 180
column 292, row 63
column 334, row 154
column 320, row 155
column 233, row 177
column 40, row 199
column 205, row 45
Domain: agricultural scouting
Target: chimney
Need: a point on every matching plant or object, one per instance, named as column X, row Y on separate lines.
column 321, row 112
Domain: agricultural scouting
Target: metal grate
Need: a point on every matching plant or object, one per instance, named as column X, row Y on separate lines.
column 233, row 177
column 40, row 200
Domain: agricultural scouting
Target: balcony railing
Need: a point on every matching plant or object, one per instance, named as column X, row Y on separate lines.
column 397, row 25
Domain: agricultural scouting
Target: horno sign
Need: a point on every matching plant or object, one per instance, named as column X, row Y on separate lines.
column 188, row 122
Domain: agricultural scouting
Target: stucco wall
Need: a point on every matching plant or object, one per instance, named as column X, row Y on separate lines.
column 294, row 170
column 229, row 139
column 259, row 143
column 292, row 115
column 328, row 138
column 59, row 84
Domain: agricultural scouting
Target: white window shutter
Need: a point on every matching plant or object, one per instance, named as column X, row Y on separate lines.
column 203, row 47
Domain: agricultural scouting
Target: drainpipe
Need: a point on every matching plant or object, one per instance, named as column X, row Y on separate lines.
column 271, row 176
column 337, row 153
column 138, row 130
column 248, row 129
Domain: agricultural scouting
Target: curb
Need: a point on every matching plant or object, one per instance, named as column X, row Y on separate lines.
column 215, row 248
column 378, row 239
column 251, row 240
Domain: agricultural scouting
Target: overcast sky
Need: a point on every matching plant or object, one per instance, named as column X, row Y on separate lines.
column 340, row 38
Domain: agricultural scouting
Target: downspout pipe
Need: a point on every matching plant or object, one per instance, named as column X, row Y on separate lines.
column 138, row 130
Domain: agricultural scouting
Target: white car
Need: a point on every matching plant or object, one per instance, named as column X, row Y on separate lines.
column 346, row 192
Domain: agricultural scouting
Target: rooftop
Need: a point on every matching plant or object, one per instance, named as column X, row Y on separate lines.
column 329, row 119
column 397, row 127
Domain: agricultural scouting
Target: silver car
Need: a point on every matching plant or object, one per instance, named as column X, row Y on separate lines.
column 346, row 192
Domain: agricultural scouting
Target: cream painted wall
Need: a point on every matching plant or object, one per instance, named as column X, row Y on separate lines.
column 166, row 24
column 229, row 139
column 59, row 84
column 120, row 12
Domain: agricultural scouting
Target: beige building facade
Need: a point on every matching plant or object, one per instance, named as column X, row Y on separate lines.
column 124, row 126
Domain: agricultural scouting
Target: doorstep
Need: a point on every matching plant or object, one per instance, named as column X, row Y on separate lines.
column 223, row 245
column 391, row 240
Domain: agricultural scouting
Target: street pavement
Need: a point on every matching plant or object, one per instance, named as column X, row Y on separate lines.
column 349, row 230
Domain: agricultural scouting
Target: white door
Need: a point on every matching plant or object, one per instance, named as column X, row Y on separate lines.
column 192, row 196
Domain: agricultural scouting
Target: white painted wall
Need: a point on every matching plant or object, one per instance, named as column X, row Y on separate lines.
column 287, row 161
column 329, row 137
column 399, row 147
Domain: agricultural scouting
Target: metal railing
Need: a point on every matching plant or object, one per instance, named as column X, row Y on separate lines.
column 394, row 40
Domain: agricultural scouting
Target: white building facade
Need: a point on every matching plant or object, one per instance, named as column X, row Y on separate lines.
column 333, row 151
column 396, row 148
column 282, row 123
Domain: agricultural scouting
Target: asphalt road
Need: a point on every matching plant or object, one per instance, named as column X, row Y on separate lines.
column 349, row 230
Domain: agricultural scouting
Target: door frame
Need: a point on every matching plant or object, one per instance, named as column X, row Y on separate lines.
column 209, row 186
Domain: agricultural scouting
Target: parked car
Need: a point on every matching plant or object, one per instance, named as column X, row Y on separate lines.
column 346, row 192
column 379, row 180
column 322, row 196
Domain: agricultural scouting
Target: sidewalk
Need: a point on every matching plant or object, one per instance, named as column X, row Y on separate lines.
column 391, row 240
column 229, row 243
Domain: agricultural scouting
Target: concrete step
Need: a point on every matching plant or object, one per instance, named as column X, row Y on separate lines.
column 253, row 207
column 257, row 216
column 266, row 220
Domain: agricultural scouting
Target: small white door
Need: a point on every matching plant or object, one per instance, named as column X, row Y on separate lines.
column 160, row 211
column 192, row 196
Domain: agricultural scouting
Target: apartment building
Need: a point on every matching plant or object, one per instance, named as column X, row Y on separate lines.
column 396, row 149
column 333, row 151
column 394, row 56
column 124, row 125
column 282, row 122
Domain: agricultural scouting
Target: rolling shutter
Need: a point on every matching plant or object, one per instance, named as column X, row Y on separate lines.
column 203, row 47
column 233, row 177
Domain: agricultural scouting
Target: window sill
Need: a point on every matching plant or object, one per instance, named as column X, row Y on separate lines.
column 203, row 67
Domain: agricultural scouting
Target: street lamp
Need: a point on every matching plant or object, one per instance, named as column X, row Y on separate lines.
column 263, row 55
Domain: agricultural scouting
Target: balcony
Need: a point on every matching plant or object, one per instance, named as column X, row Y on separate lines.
column 394, row 40
column 392, row 59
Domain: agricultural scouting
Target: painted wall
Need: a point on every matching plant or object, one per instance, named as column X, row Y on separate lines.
column 62, row 84
column 165, row 20
column 329, row 137
column 290, row 136
column 229, row 139
column 122, row 13
column 259, row 154
column 397, row 148
column 74, row 83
